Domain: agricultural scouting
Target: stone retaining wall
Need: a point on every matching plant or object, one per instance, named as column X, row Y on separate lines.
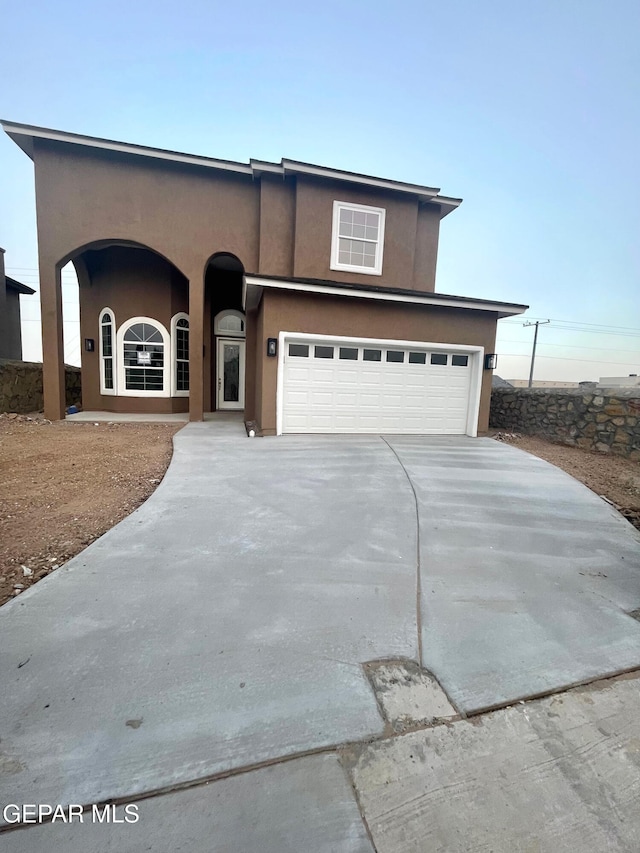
column 606, row 420
column 21, row 386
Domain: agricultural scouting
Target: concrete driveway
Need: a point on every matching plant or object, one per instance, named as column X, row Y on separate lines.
column 219, row 633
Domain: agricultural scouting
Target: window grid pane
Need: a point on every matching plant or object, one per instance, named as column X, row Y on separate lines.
column 182, row 376
column 143, row 379
column 323, row 352
column 372, row 355
column 107, row 340
column 299, row 350
column 131, row 351
column 349, row 353
column 460, row 360
column 108, row 373
column 182, row 344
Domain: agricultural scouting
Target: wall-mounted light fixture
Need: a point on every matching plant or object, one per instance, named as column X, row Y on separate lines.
column 89, row 344
column 490, row 361
column 272, row 347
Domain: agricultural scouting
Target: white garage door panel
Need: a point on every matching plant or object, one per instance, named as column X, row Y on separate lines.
column 358, row 396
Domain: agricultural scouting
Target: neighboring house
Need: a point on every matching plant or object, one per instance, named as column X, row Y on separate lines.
column 542, row 383
column 10, row 332
column 300, row 294
column 630, row 381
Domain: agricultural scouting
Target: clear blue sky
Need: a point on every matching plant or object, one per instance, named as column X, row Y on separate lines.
column 529, row 112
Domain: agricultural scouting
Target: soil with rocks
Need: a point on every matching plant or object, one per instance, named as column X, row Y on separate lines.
column 64, row 484
column 612, row 477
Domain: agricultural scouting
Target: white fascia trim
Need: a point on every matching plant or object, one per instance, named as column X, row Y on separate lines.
column 500, row 308
column 338, row 175
column 125, row 148
column 475, row 352
column 259, row 166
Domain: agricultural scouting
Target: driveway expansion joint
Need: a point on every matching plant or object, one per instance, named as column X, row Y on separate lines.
column 418, row 551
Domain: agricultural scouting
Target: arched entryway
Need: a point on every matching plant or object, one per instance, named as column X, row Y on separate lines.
column 134, row 328
column 225, row 332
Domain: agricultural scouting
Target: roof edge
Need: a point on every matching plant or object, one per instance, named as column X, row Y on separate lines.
column 24, row 134
column 443, row 300
column 19, row 286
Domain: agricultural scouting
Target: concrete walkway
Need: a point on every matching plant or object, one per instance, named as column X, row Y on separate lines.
column 223, row 627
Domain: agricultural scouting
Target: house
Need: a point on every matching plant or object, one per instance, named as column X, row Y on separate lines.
column 301, row 294
column 630, row 381
column 10, row 332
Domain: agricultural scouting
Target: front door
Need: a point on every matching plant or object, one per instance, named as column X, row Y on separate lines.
column 230, row 393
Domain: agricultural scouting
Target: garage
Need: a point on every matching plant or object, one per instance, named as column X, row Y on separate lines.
column 331, row 385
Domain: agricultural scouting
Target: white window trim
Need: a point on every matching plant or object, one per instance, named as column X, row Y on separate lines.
column 174, row 352
column 225, row 333
column 123, row 391
column 476, row 365
column 114, row 350
column 335, row 238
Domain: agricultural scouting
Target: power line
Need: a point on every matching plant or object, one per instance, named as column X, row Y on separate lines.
column 579, row 323
column 560, row 358
column 570, row 346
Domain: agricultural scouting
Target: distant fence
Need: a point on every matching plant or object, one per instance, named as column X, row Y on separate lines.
column 605, row 420
column 21, row 386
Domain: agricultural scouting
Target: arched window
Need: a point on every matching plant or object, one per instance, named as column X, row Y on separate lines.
column 107, row 366
column 180, row 355
column 229, row 324
column 143, row 365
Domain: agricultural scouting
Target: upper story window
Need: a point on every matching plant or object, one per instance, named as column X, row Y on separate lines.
column 358, row 238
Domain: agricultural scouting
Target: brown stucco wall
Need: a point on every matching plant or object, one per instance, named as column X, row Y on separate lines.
column 404, row 232
column 186, row 214
column 133, row 283
column 353, row 317
column 277, row 225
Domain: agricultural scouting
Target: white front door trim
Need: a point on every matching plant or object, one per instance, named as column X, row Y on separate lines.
column 476, row 354
column 220, row 401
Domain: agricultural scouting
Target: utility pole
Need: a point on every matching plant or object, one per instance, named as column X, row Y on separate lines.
column 535, row 341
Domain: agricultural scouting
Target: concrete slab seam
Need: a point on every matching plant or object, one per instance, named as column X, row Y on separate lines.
column 418, row 566
column 543, row 694
column 333, row 749
column 345, row 765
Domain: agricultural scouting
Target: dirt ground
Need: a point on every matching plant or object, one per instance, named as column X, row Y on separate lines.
column 64, row 484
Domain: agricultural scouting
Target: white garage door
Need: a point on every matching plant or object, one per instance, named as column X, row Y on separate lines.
column 375, row 387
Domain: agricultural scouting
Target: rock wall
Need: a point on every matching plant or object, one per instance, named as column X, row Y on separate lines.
column 21, row 386
column 606, row 420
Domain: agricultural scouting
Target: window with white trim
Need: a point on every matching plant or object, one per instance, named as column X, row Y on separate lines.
column 180, row 355
column 143, row 358
column 229, row 324
column 357, row 238
column 107, row 336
